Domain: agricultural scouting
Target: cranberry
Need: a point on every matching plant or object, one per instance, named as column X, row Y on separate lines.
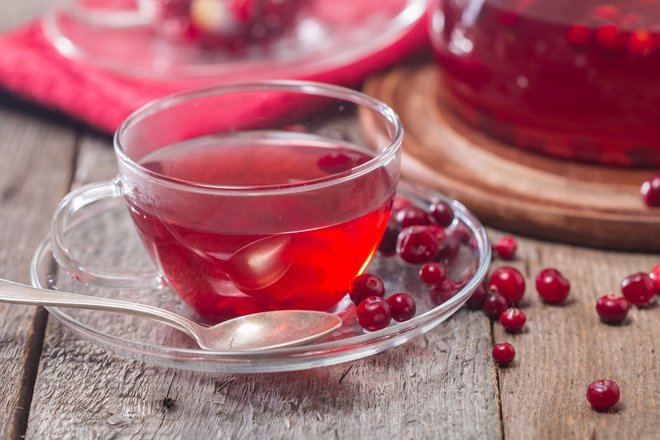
column 509, row 282
column 399, row 203
column 552, row 287
column 476, row 300
column 444, row 291
column 603, row 394
column 461, row 233
column 612, row 309
column 610, row 37
column 412, row 215
column 402, row 306
column 441, row 213
column 650, row 191
column 416, row 244
column 333, row 163
column 388, row 242
column 438, row 231
column 640, row 42
column 366, row 285
column 578, row 35
column 655, row 277
column 374, row 313
column 504, row 353
column 449, row 249
column 506, row 248
column 494, row 305
column 513, row 319
column 432, row 273
column 638, row 289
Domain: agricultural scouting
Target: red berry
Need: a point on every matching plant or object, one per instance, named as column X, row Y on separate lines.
column 504, row 353
column 333, row 163
column 578, row 35
column 494, row 305
column 650, row 191
column 638, row 289
column 476, row 300
column 640, row 42
column 506, row 248
column 374, row 313
column 603, row 394
column 552, row 287
column 399, row 203
column 364, row 286
column 438, row 231
column 449, row 249
column 387, row 244
column 610, row 37
column 612, row 309
column 432, row 273
column 402, row 306
column 655, row 277
column 444, row 291
column 412, row 215
column 441, row 213
column 509, row 282
column 416, row 244
column 513, row 319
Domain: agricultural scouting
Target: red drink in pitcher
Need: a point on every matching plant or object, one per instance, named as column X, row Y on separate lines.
column 574, row 79
column 230, row 256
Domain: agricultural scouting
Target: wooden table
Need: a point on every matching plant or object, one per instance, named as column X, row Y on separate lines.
column 441, row 385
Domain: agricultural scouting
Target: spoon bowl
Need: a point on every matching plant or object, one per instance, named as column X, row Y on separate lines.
column 259, row 331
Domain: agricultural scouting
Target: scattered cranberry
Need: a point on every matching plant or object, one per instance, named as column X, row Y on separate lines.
column 552, row 287
column 655, row 277
column 442, row 213
column 402, row 306
column 476, row 300
column 612, row 309
column 416, row 244
column 366, row 285
column 640, row 42
column 444, row 291
column 509, row 282
column 638, row 289
column 610, row 37
column 603, row 394
column 504, row 353
column 513, row 319
column 506, row 248
column 578, row 35
column 494, row 305
column 650, row 191
column 412, row 215
column 374, row 313
column 333, row 163
column 432, row 273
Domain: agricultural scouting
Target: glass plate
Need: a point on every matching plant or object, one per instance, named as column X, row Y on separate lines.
column 152, row 342
column 333, row 34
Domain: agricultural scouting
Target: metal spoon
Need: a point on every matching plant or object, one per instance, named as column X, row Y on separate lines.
column 259, row 331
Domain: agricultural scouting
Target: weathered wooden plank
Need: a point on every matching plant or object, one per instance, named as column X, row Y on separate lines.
column 35, row 171
column 563, row 349
column 436, row 386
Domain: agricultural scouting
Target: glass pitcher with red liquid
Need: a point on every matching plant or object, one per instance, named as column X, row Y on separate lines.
column 578, row 80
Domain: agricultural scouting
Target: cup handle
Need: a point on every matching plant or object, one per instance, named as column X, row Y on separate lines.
column 78, row 206
column 141, row 16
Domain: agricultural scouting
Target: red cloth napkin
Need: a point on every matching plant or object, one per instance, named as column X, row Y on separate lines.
column 30, row 67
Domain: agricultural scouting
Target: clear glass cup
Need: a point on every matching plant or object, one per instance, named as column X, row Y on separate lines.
column 249, row 196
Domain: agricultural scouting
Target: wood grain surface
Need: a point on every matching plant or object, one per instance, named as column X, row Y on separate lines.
column 509, row 187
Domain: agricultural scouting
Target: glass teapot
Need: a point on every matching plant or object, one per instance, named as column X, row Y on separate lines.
column 573, row 79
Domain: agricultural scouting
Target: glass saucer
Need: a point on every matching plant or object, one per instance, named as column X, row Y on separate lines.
column 152, row 342
column 333, row 34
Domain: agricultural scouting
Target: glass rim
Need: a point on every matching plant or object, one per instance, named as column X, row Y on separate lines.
column 296, row 86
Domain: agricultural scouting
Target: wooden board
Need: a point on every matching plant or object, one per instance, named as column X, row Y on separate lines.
column 511, row 188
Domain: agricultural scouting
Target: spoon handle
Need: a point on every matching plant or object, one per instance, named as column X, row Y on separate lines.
column 16, row 293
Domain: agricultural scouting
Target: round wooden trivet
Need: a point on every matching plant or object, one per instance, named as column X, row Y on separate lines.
column 509, row 188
